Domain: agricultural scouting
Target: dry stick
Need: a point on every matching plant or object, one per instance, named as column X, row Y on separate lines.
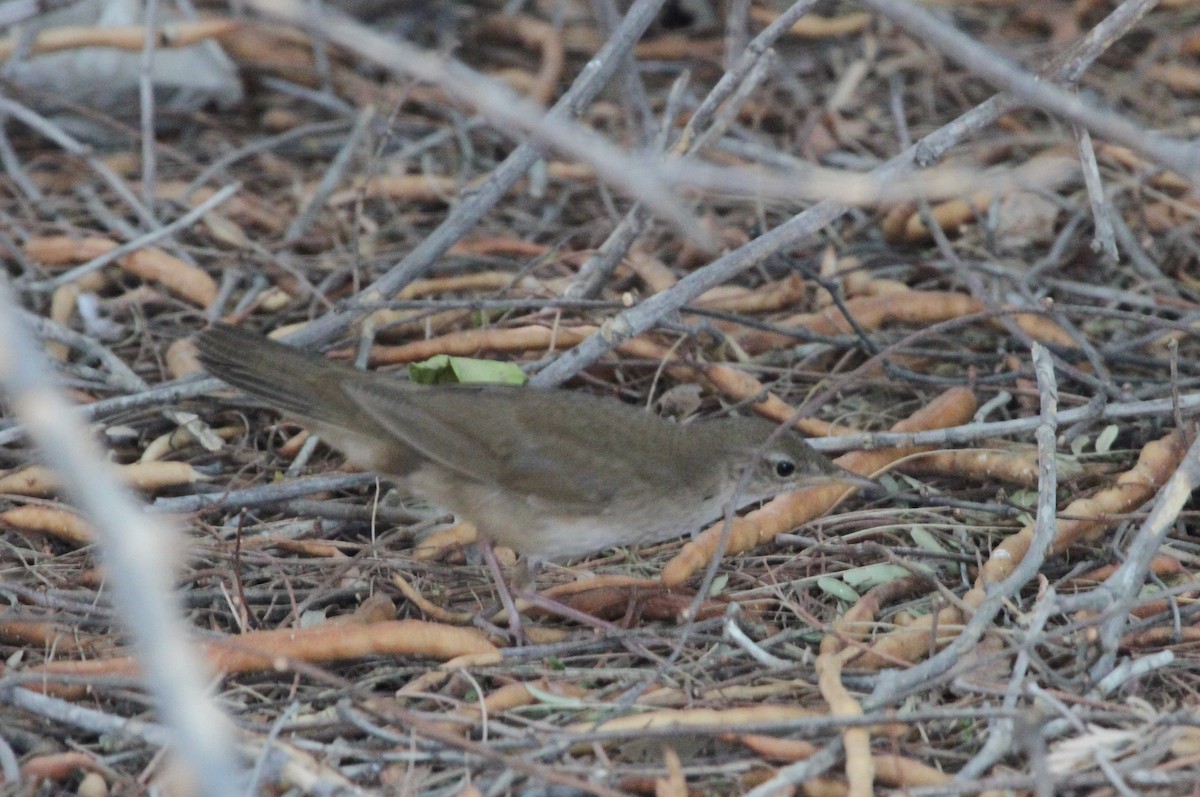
column 1143, row 264
column 253, row 148
column 893, row 684
column 515, row 166
column 792, row 180
column 699, row 131
column 262, row 495
column 120, row 375
column 739, row 74
column 14, row 11
column 141, row 242
column 521, row 118
column 10, row 770
column 939, row 237
column 1101, row 382
column 88, row 719
column 332, row 177
column 1087, row 519
column 1122, row 587
column 11, row 163
column 137, row 552
column 1000, row 732
column 947, row 326
column 1034, row 277
column 1181, row 156
column 423, row 727
column 1103, row 239
column 1068, row 69
column 146, row 102
column 104, row 724
column 799, row 772
column 737, row 30
column 466, row 214
column 642, row 317
column 634, row 96
column 725, row 116
column 666, row 725
column 596, row 270
column 955, row 435
column 72, row 146
column 170, row 393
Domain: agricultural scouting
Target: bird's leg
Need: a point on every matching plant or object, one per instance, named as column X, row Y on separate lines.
column 526, row 590
column 506, row 599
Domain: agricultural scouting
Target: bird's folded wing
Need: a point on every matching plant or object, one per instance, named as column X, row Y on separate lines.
column 486, row 437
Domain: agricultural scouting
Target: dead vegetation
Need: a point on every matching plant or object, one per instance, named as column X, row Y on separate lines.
column 1006, row 336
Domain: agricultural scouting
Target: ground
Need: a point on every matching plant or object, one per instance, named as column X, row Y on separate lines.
column 879, row 220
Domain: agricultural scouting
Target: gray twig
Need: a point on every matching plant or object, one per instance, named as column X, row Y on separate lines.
column 138, row 552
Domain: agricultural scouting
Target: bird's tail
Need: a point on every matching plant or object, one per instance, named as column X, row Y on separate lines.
column 297, row 382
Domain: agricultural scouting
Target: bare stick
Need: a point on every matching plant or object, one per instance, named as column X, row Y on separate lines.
column 137, row 551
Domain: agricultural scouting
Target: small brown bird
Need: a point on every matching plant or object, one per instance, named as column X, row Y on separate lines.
column 551, row 474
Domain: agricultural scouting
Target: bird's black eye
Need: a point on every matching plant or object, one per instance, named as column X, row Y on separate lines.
column 784, row 468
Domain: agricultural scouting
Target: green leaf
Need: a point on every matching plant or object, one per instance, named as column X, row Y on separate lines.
column 889, row 483
column 924, row 539
column 1106, row 438
column 837, row 588
column 444, row 369
column 1024, row 498
column 433, row 371
column 312, row 618
column 557, row 701
column 868, row 576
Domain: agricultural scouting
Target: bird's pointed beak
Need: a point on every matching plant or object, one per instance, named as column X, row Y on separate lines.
column 868, row 487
